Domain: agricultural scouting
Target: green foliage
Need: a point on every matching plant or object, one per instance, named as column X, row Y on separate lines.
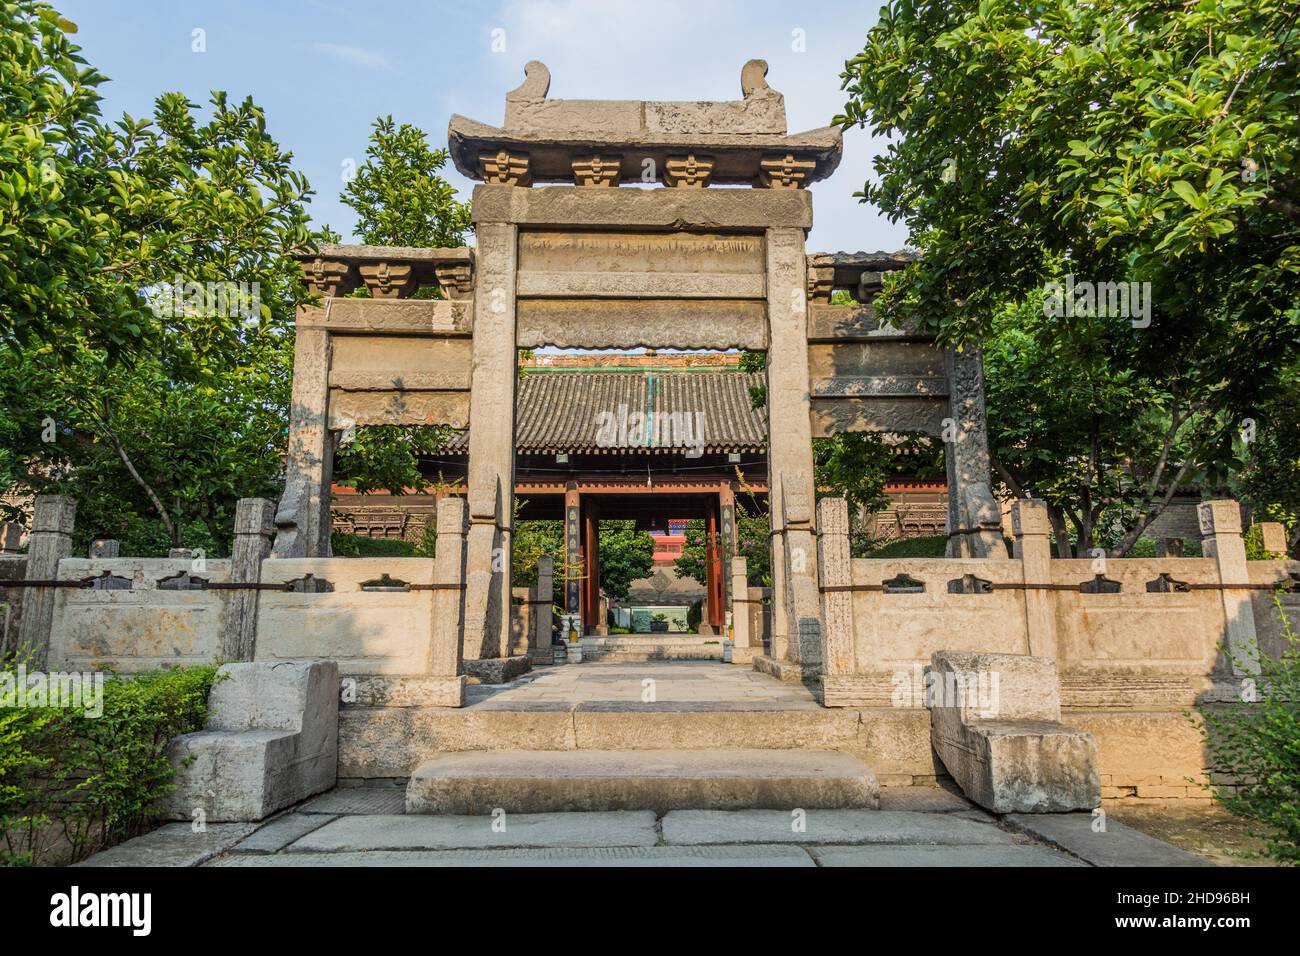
column 1254, row 542
column 386, row 457
column 751, row 544
column 145, row 405
column 357, row 546
column 1256, row 743
column 1270, row 481
column 1114, row 142
column 398, row 194
column 931, row 547
column 694, row 615
column 626, row 555
column 93, row 781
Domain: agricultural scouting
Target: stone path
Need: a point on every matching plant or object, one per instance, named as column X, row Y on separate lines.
column 916, row 827
column 681, row 684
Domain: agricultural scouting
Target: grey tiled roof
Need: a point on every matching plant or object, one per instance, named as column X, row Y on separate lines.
column 562, row 411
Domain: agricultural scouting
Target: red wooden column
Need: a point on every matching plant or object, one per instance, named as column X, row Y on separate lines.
column 572, row 554
column 714, row 600
column 591, row 565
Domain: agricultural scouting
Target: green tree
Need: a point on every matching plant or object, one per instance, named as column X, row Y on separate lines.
column 626, row 555
column 1119, row 142
column 400, row 200
column 1270, row 480
column 399, row 197
column 159, row 424
column 752, row 544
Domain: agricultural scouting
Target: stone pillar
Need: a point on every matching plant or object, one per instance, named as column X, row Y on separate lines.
column 447, row 631
column 302, row 519
column 742, row 651
column 53, row 518
column 1272, row 537
column 1033, row 537
column 727, row 524
column 254, row 531
column 974, row 518
column 11, row 537
column 104, row 548
column 1221, row 539
column 790, row 464
column 491, row 444
column 543, row 596
column 835, row 562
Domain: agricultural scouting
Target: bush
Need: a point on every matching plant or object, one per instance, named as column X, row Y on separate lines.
column 356, row 546
column 73, row 782
column 932, row 547
column 694, row 614
column 1256, row 744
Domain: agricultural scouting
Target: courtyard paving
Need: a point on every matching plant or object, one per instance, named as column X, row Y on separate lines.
column 365, row 826
column 679, row 684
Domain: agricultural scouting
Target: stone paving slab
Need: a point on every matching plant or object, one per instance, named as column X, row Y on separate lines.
column 173, row 844
column 1118, row 845
column 704, row 827
column 656, row 856
column 279, row 833
column 922, row 800
column 633, row 828
column 358, row 800
column 912, row 856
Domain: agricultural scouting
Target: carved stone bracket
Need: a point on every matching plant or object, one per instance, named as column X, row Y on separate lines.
column 785, row 172
column 597, row 170
column 691, row 171
column 456, row 280
column 329, row 278
column 505, row 168
column 821, row 282
column 388, row 280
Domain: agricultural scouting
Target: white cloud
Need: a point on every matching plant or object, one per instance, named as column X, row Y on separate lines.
column 355, row 55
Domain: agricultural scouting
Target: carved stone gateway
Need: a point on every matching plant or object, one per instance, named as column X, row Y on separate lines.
column 593, row 263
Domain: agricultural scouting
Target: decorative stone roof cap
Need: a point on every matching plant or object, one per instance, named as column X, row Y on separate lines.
column 544, row 140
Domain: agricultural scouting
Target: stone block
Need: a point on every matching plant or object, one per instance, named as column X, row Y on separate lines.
column 270, row 740
column 497, row 670
column 1001, row 738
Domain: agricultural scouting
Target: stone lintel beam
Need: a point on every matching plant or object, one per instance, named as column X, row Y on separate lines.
column 656, row 285
column 637, row 323
column 433, row 317
column 836, row 324
column 578, row 207
column 835, row 416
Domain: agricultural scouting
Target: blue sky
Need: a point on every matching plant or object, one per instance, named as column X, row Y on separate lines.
column 324, row 69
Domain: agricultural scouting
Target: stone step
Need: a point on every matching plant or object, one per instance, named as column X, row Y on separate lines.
column 532, row 781
column 637, row 648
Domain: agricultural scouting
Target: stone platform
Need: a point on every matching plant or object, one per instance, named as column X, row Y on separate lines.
column 651, row 647
column 524, row 781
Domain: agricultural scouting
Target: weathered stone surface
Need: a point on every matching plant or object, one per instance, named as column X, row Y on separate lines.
column 358, row 800
column 173, row 844
column 279, row 833
column 498, row 670
column 922, row 800
column 579, row 207
column 50, row 541
column 633, row 323
column 883, row 856
column 391, row 317
column 270, row 740
column 1117, row 845
column 415, row 832
column 995, row 724
column 812, row 826
column 531, row 782
column 638, row 856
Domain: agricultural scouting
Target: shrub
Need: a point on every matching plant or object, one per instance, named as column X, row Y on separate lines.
column 931, row 547
column 356, row 546
column 1256, row 744
column 694, row 615
column 70, row 778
